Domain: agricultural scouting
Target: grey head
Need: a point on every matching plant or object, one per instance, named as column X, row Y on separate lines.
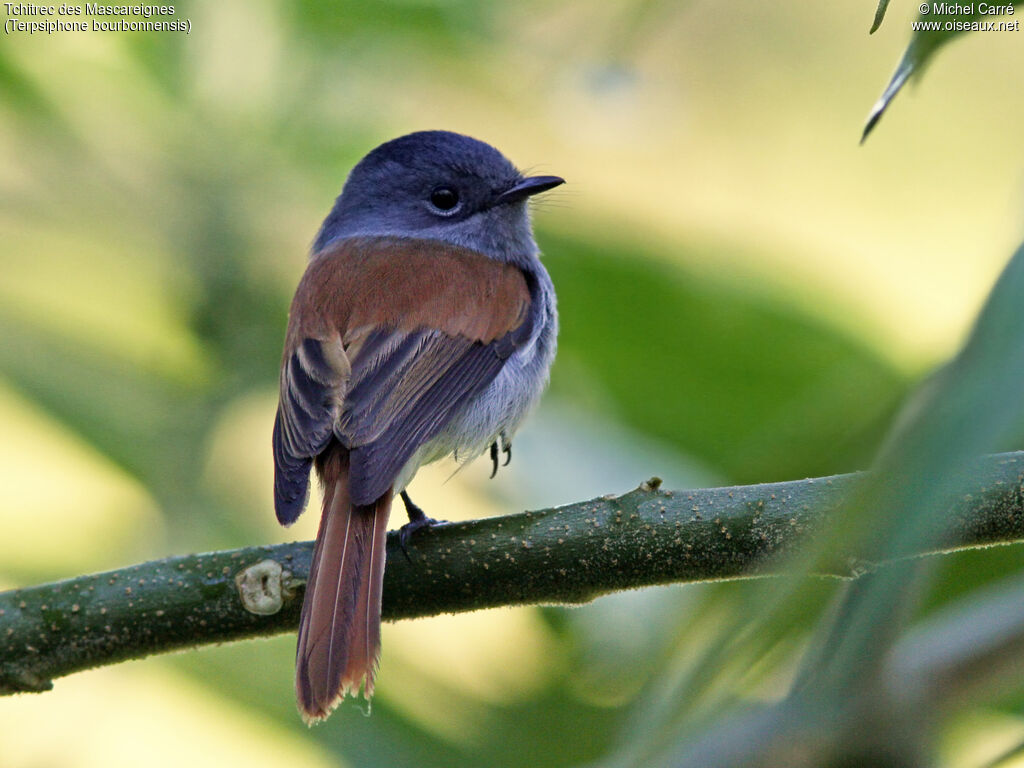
column 442, row 186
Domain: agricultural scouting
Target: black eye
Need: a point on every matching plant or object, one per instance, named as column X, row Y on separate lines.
column 444, row 198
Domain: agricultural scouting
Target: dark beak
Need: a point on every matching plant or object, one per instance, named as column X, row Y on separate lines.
column 524, row 188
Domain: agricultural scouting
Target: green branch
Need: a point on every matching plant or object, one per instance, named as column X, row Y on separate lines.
column 567, row 555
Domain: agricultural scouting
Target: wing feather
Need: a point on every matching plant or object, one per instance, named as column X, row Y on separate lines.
column 384, row 371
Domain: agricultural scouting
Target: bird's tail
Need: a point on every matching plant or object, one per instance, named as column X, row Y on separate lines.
column 339, row 630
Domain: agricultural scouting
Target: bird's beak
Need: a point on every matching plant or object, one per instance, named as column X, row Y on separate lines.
column 524, row 188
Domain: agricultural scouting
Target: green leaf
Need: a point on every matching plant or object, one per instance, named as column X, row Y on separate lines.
column 879, row 15
column 923, row 45
column 969, row 407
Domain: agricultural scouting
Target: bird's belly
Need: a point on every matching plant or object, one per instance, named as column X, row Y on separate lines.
column 498, row 410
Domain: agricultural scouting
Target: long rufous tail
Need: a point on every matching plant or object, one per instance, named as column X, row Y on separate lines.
column 339, row 630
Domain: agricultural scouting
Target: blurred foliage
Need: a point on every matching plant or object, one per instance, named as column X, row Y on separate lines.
column 754, row 387
column 157, row 194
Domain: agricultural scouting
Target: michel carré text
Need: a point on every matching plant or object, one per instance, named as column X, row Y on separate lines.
column 970, row 9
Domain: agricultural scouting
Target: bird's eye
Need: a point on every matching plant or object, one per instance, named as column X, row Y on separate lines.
column 444, row 199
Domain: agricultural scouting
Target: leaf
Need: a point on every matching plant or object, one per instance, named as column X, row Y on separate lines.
column 923, row 45
column 968, row 407
column 968, row 647
column 963, row 411
column 879, row 15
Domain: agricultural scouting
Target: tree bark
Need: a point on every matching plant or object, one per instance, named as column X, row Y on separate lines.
column 570, row 554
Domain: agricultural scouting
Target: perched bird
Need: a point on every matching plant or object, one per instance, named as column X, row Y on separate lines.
column 424, row 325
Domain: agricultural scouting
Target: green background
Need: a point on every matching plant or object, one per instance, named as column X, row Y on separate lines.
column 746, row 295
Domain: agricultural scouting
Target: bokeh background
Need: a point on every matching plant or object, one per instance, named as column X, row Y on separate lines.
column 746, row 295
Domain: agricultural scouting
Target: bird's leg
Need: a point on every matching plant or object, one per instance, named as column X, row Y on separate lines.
column 506, row 448
column 494, row 458
column 417, row 519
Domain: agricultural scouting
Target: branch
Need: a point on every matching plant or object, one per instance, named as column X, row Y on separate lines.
column 571, row 554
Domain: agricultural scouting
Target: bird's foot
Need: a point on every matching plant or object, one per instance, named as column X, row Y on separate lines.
column 506, row 448
column 417, row 520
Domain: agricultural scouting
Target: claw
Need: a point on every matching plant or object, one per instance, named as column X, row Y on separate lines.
column 506, row 449
column 494, row 458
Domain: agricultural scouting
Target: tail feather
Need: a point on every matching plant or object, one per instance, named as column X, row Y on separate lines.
column 339, row 630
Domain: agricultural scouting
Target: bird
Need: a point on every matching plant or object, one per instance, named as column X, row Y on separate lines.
column 425, row 325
